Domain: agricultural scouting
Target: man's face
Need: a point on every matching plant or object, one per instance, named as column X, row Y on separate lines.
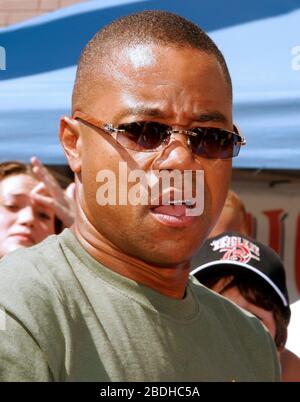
column 23, row 222
column 179, row 87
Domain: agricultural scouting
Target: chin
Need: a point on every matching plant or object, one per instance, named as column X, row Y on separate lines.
column 171, row 252
column 169, row 258
column 14, row 246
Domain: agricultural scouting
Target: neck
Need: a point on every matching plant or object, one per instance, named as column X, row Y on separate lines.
column 169, row 281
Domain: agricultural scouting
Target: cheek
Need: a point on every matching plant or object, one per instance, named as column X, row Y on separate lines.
column 270, row 324
column 7, row 220
column 107, row 186
column 105, row 165
column 217, row 177
column 43, row 228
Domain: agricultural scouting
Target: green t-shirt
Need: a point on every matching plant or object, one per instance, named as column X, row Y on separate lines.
column 69, row 318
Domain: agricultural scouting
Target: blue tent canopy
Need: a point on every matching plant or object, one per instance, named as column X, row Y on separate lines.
column 258, row 40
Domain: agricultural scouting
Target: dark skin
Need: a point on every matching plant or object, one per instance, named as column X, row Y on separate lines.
column 180, row 87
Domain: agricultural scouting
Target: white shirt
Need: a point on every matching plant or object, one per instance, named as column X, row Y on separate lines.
column 293, row 341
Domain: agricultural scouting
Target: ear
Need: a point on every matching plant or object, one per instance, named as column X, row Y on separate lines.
column 71, row 142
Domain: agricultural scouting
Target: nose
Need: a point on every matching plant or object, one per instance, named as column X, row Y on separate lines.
column 177, row 154
column 26, row 216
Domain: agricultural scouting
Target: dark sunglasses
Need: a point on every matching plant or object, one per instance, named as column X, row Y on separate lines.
column 150, row 136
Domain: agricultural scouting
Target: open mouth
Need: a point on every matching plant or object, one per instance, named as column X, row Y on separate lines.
column 174, row 213
column 188, row 203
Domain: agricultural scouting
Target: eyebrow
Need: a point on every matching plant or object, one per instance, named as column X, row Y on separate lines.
column 13, row 195
column 212, row 116
column 17, row 194
column 145, row 111
column 141, row 110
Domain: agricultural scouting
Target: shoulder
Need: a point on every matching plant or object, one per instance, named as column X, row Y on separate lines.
column 27, row 267
column 244, row 330
column 36, row 282
column 224, row 309
column 39, row 296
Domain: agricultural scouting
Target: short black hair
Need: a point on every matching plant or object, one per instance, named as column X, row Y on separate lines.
column 153, row 27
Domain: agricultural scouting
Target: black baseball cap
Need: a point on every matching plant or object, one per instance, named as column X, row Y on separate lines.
column 232, row 251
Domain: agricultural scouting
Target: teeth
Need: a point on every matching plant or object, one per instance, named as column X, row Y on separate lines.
column 176, row 202
column 188, row 203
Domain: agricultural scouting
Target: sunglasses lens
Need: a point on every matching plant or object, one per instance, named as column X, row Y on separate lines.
column 215, row 143
column 142, row 136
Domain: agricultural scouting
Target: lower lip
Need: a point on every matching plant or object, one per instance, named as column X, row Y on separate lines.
column 23, row 238
column 174, row 221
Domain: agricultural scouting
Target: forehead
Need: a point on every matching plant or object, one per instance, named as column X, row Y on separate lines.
column 166, row 79
column 20, row 184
